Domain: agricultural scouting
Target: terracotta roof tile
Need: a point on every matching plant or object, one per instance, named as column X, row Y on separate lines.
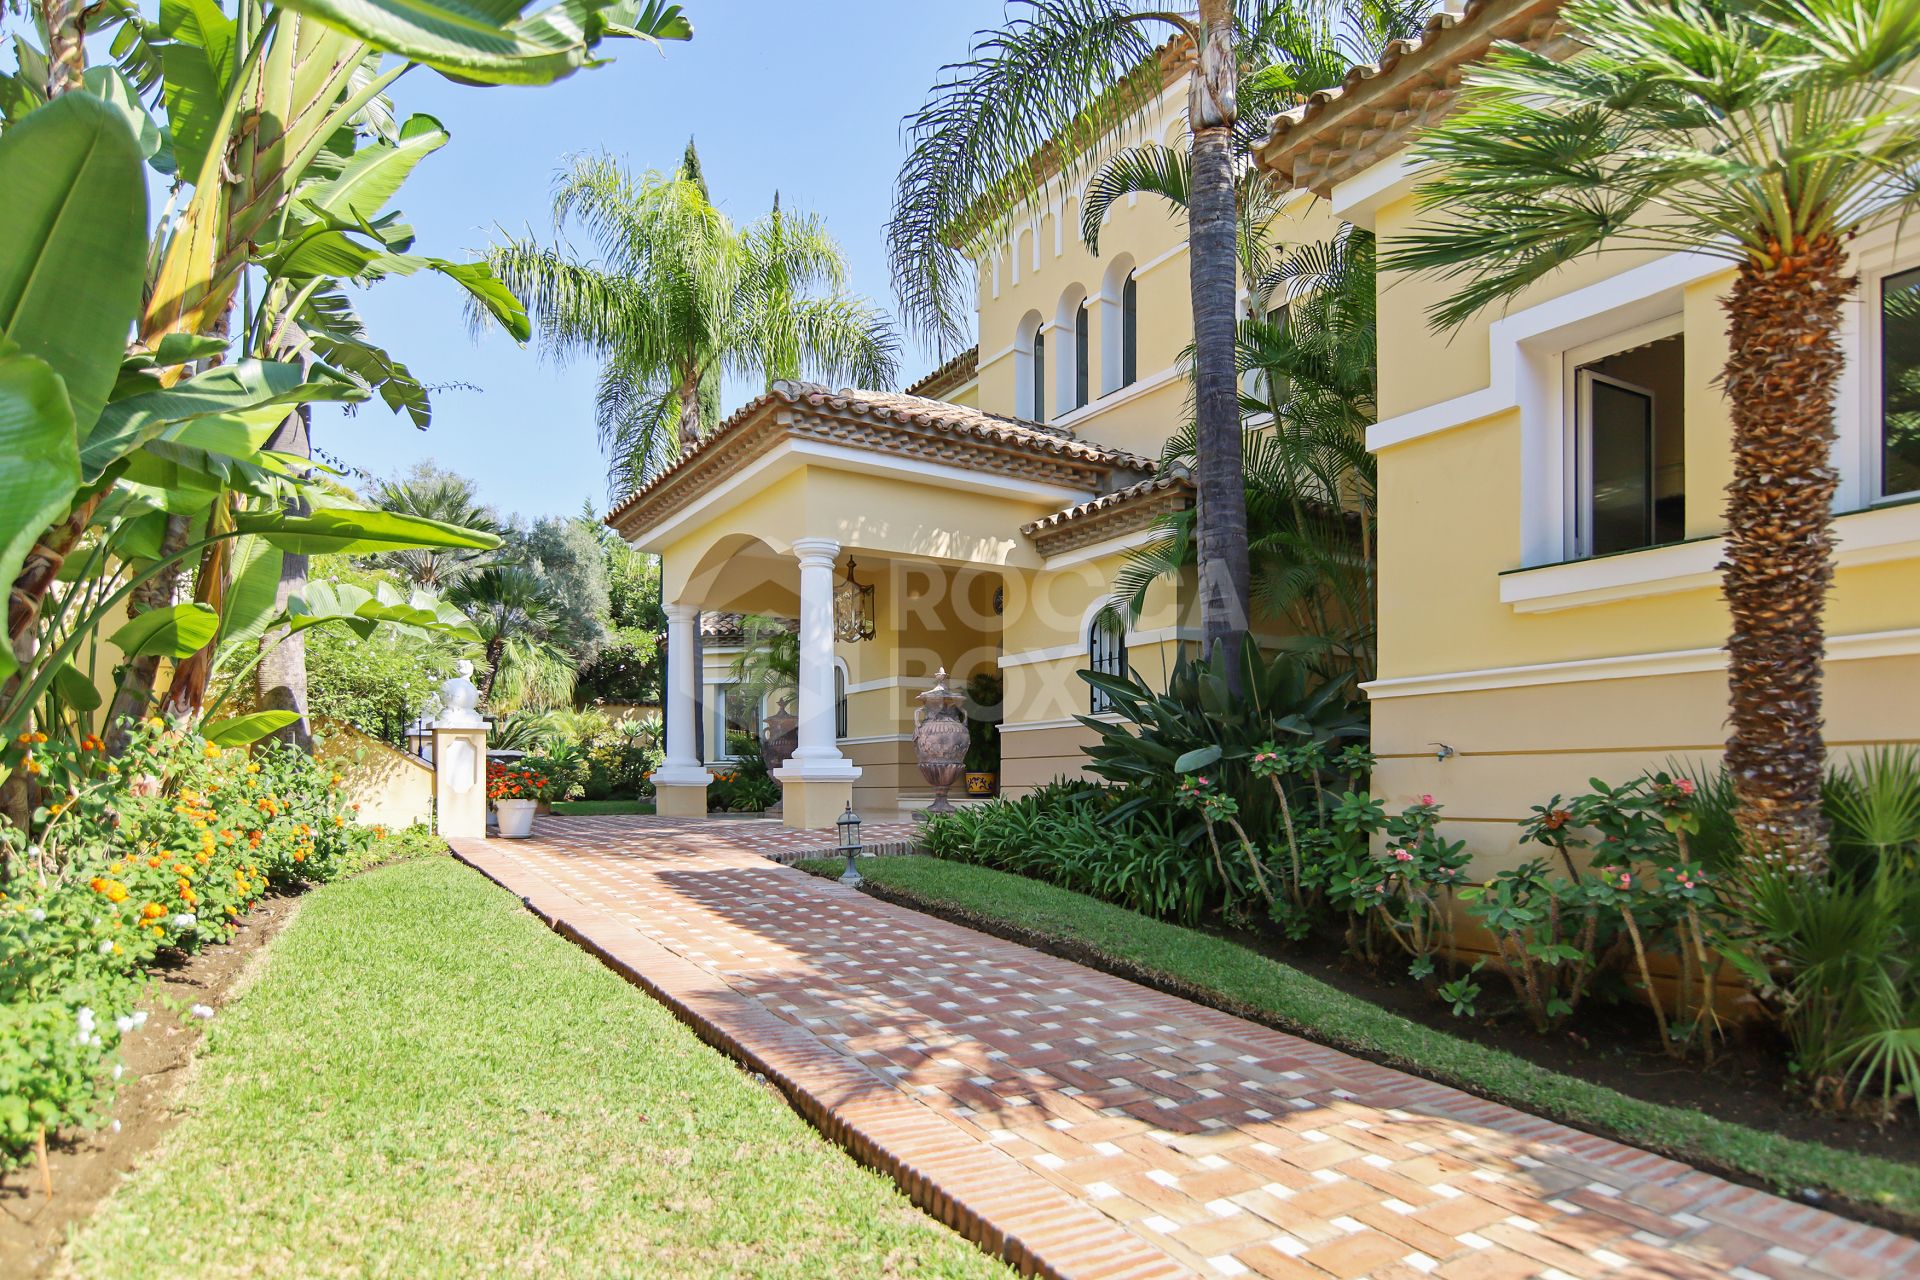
column 956, row 372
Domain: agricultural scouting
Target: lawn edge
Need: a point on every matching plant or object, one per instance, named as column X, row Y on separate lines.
column 1784, row 1166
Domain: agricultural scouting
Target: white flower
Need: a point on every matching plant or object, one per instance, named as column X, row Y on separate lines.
column 38, row 914
column 115, row 1126
column 85, row 1018
column 125, row 1022
column 201, row 1011
column 106, row 946
column 139, row 1019
column 185, row 920
column 118, row 1071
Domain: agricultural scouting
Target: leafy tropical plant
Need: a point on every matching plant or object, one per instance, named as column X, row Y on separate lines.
column 677, row 297
column 1767, row 133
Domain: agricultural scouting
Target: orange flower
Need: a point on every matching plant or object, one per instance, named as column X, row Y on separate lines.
column 116, row 892
column 97, row 884
column 152, row 911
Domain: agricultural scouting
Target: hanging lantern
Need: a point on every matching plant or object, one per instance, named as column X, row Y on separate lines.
column 852, row 609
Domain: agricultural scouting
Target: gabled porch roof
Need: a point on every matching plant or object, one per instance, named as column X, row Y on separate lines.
column 924, row 441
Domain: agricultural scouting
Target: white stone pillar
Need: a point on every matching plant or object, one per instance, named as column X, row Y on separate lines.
column 460, row 780
column 817, row 781
column 680, row 783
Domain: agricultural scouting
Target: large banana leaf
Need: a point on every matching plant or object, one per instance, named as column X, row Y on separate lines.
column 239, row 731
column 198, row 65
column 327, row 247
column 373, row 174
column 39, row 466
column 352, row 531
column 173, row 631
column 490, row 41
column 73, row 242
column 252, row 392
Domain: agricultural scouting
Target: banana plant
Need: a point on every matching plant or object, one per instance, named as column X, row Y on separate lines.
column 253, row 100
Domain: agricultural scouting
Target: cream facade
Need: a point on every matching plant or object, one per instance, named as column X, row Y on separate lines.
column 1551, row 481
column 989, row 508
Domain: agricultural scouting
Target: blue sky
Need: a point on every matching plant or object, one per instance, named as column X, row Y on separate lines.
column 805, row 98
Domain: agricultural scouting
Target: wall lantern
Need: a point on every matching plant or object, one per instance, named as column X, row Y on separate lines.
column 852, row 609
column 848, row 825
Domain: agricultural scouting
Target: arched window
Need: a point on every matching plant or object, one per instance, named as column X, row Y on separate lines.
column 1038, row 395
column 1082, row 331
column 1129, row 331
column 840, row 719
column 1106, row 656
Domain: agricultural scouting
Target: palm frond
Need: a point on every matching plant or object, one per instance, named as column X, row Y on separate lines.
column 1152, row 169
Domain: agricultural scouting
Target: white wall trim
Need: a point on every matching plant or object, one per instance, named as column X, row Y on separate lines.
column 1849, row 648
column 891, row 682
column 1161, row 260
column 1863, row 538
column 1360, row 197
column 1059, row 652
column 1114, row 399
column 1111, row 546
column 1107, row 716
column 1644, row 293
column 876, row 737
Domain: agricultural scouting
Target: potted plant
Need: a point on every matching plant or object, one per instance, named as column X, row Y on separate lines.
column 515, row 789
column 984, row 696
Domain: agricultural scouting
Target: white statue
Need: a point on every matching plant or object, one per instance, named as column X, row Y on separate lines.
column 460, row 701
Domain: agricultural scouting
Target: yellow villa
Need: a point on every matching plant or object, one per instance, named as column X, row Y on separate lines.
column 1551, row 481
column 987, row 509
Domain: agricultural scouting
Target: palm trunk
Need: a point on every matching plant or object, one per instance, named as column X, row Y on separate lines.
column 131, row 699
column 495, row 647
column 688, row 392
column 281, row 678
column 66, row 44
column 1780, row 377
column 1212, row 255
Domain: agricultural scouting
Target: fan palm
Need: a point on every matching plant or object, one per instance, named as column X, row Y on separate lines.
column 1022, row 112
column 516, row 617
column 451, row 499
column 1764, row 132
column 678, row 298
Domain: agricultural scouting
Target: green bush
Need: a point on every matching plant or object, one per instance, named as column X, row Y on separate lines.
column 743, row 786
column 128, row 861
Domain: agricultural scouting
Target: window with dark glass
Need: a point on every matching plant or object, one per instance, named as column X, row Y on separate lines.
column 1900, row 384
column 1081, row 355
column 1129, row 331
column 1107, row 656
column 1630, row 450
column 839, row 703
column 1039, row 377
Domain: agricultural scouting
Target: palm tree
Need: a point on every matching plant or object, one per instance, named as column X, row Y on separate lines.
column 1021, row 114
column 438, row 495
column 679, row 298
column 1764, row 132
column 513, row 610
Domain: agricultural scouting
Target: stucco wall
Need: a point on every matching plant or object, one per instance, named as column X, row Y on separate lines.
column 393, row 788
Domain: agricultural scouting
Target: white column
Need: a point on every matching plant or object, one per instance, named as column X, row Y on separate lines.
column 818, row 753
column 682, row 766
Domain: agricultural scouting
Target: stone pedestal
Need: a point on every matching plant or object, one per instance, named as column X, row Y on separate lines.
column 813, row 804
column 460, row 780
column 682, row 792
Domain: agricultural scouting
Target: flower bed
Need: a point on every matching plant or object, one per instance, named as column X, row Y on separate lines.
column 128, row 861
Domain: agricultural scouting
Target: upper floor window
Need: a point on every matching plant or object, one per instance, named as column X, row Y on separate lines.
column 1899, row 450
column 1629, row 449
column 1129, row 331
column 1082, row 332
column 1037, row 392
column 1107, row 656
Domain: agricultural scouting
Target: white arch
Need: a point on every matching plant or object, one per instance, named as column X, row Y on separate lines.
column 1062, row 344
column 1109, row 318
column 1023, row 336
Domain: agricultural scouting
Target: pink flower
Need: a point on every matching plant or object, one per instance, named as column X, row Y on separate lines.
column 1426, row 799
column 1685, row 785
column 1402, row 855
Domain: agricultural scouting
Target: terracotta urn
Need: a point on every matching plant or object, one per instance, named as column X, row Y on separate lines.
column 940, row 740
column 779, row 737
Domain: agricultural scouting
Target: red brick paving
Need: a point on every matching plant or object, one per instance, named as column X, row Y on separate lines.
column 1083, row 1126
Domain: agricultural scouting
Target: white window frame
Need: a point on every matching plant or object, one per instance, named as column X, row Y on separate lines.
column 1098, row 701
column 1576, row 502
column 1860, row 451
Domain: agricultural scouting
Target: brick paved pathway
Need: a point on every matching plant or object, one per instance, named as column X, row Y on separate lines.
column 1084, row 1126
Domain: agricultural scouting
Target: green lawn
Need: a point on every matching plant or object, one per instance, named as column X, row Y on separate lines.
column 424, row 1081
column 1231, row 976
column 586, row 808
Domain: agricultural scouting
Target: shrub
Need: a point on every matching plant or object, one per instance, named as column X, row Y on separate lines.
column 743, row 787
column 128, row 860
